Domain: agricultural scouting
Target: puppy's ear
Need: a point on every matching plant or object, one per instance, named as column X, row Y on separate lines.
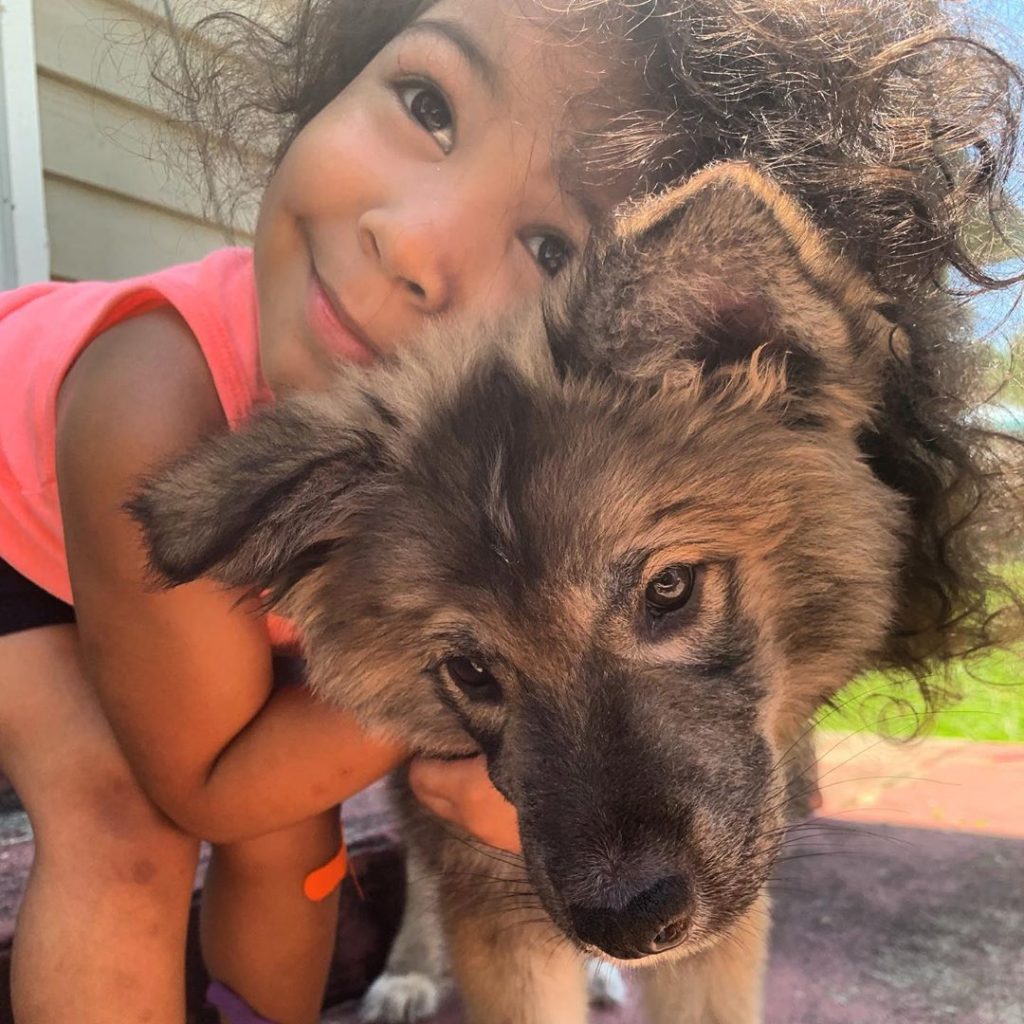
column 255, row 507
column 727, row 273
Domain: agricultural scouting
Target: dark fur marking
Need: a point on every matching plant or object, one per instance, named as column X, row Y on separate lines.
column 490, row 543
column 560, row 326
column 825, row 292
column 733, row 648
column 676, row 508
column 382, row 409
column 489, row 740
column 299, row 566
column 730, row 653
column 890, row 310
column 246, row 518
column 369, row 460
column 805, row 419
column 626, row 573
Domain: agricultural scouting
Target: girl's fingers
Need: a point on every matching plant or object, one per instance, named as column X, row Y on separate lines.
column 462, row 792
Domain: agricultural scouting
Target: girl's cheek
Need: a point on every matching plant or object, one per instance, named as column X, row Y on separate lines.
column 341, row 158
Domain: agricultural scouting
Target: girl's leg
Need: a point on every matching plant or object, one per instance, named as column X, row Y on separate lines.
column 261, row 936
column 101, row 932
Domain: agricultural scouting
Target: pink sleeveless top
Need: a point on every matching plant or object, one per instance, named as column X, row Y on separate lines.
column 43, row 330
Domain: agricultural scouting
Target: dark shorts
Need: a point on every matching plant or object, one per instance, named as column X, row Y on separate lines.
column 23, row 605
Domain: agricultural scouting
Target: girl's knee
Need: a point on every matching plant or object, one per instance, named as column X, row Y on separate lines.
column 99, row 819
column 60, row 751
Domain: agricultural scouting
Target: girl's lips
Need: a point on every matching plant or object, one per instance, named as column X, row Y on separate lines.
column 332, row 326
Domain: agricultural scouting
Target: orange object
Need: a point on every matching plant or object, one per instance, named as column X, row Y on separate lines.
column 322, row 881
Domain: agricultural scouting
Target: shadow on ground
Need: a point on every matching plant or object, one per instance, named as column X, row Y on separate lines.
column 876, row 924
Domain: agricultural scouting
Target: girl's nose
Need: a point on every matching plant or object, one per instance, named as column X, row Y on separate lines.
column 415, row 252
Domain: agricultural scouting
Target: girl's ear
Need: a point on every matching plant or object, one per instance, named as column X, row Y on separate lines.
column 247, row 508
column 727, row 273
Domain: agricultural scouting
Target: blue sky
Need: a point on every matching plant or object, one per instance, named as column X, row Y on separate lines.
column 1004, row 25
column 1006, row 12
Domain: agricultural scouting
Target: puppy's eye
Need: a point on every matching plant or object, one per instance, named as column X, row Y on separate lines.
column 473, row 679
column 670, row 589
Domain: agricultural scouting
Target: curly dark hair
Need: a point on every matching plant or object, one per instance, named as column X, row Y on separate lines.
column 894, row 124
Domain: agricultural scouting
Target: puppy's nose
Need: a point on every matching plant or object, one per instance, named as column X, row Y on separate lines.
column 653, row 921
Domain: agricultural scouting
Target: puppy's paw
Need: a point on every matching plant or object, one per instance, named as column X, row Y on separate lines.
column 401, row 999
column 605, row 984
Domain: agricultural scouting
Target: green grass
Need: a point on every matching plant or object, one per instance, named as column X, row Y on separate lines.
column 992, row 707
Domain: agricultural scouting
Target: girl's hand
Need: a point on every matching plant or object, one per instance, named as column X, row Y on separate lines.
column 461, row 792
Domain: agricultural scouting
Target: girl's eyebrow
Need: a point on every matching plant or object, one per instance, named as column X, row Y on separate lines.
column 471, row 51
column 474, row 55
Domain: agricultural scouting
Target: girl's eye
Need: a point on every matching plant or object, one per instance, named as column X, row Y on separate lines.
column 552, row 252
column 429, row 107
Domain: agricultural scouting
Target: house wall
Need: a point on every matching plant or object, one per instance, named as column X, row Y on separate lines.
column 24, row 255
column 121, row 197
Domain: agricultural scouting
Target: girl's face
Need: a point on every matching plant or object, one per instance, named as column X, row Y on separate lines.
column 428, row 187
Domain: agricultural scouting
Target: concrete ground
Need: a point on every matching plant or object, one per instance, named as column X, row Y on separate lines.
column 903, row 901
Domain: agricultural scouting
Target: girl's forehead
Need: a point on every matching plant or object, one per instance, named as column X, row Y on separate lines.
column 512, row 38
column 533, row 55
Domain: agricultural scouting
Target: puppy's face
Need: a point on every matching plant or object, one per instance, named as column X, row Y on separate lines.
column 625, row 553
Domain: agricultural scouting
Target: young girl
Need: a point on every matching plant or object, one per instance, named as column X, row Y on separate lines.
column 436, row 159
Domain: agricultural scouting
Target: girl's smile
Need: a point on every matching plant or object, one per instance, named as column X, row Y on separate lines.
column 428, row 187
column 330, row 322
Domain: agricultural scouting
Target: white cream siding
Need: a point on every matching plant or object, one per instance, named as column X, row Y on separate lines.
column 117, row 204
column 24, row 255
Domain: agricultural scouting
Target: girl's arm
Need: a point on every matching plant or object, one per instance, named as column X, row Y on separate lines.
column 183, row 675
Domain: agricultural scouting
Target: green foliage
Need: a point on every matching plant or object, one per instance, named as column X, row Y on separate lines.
column 1006, row 374
column 992, row 688
column 992, row 707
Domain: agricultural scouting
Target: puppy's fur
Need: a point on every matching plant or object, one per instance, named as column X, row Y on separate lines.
column 626, row 550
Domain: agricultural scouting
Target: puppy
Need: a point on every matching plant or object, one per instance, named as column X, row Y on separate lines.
column 625, row 547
